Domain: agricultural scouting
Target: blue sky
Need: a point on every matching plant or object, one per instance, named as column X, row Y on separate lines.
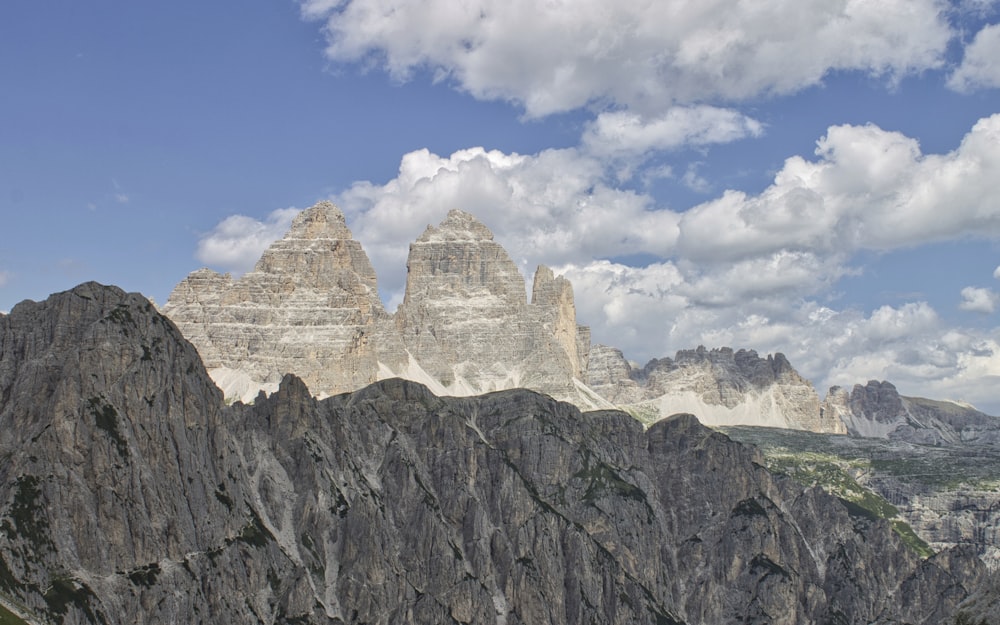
column 817, row 178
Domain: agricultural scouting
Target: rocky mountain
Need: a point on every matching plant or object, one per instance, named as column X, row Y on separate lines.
column 877, row 410
column 946, row 493
column 129, row 493
column 311, row 307
column 466, row 321
column 721, row 386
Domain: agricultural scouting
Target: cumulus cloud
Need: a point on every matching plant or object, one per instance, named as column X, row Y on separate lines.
column 643, row 56
column 996, row 273
column 745, row 270
column 552, row 207
column 237, row 242
column 868, row 189
column 979, row 68
column 624, row 133
column 978, row 300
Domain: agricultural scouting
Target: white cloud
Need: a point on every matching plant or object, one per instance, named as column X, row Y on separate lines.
column 869, row 189
column 979, row 300
column 979, row 68
column 996, row 273
column 644, row 56
column 741, row 270
column 695, row 181
column 238, row 241
column 4, row 278
column 553, row 207
column 624, row 133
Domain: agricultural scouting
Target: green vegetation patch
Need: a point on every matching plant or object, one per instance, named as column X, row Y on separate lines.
column 833, row 474
column 106, row 418
column 602, row 479
column 121, row 315
column 224, row 499
column 749, row 508
column 9, row 618
column 144, row 575
column 254, row 533
column 911, row 540
column 28, row 514
column 66, row 592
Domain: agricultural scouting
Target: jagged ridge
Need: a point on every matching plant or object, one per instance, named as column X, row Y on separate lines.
column 311, row 307
column 392, row 505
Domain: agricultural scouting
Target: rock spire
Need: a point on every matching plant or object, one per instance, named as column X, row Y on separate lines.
column 311, row 307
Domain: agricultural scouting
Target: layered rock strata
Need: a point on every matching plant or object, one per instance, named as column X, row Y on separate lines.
column 130, row 494
column 721, row 386
column 311, row 307
column 466, row 320
column 877, row 410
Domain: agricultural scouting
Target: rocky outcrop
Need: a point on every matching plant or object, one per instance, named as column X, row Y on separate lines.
column 721, row 386
column 311, row 307
column 946, row 493
column 877, row 410
column 130, row 494
column 466, row 321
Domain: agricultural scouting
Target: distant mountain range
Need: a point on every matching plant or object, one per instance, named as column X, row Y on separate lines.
column 466, row 326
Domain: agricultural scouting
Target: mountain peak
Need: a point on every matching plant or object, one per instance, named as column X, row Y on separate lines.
column 457, row 226
column 322, row 220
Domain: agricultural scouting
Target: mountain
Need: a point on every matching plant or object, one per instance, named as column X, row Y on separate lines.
column 465, row 326
column 311, row 307
column 130, row 493
column 877, row 410
column 936, row 496
column 721, row 386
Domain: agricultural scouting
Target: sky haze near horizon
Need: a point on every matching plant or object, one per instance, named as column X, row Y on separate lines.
column 816, row 178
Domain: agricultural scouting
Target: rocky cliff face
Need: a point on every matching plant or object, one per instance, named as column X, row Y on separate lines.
column 878, row 410
column 721, row 386
column 130, row 494
column 466, row 320
column 311, row 307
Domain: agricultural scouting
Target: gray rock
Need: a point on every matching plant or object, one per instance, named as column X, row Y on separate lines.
column 878, row 410
column 311, row 307
column 721, row 386
column 130, row 494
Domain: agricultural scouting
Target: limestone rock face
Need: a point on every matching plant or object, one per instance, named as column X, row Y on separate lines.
column 116, row 462
column 877, row 410
column 465, row 318
column 721, row 386
column 130, row 494
column 310, row 306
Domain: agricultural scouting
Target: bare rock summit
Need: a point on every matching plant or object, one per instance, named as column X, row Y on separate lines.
column 466, row 319
column 721, row 386
column 311, row 307
column 466, row 326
